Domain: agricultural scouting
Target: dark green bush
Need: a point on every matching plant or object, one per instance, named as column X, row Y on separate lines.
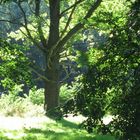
column 112, row 83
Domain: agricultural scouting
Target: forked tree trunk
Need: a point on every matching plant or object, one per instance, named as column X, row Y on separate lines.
column 52, row 86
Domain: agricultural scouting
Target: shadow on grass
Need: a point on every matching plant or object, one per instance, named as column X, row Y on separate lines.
column 61, row 130
column 57, row 130
column 53, row 135
column 68, row 124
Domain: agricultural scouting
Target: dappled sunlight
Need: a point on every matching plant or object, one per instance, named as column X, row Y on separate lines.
column 17, row 123
column 13, row 136
column 41, row 128
column 76, row 119
column 11, row 123
column 107, row 119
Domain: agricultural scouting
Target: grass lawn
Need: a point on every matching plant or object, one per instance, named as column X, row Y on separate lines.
column 43, row 128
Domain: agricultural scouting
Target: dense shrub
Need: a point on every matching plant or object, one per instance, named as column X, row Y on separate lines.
column 126, row 105
column 89, row 100
column 112, row 83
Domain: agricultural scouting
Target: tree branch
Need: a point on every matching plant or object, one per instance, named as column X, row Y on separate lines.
column 68, row 22
column 25, row 25
column 5, row 13
column 40, row 31
column 41, row 76
column 74, row 5
column 79, row 26
column 56, row 48
column 10, row 21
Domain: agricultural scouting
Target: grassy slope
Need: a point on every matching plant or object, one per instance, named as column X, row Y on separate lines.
column 49, row 130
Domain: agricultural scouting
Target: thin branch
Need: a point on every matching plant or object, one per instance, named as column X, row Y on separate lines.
column 10, row 21
column 79, row 26
column 4, row 13
column 7, row 13
column 23, row 13
column 41, row 76
column 27, row 29
column 69, row 20
column 66, row 77
column 75, row 4
column 35, row 43
column 37, row 14
column 29, row 4
column 67, row 73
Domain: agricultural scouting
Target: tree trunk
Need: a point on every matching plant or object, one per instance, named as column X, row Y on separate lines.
column 52, row 72
column 52, row 86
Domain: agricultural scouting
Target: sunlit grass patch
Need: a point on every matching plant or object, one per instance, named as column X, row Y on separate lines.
column 44, row 128
column 60, row 130
column 47, row 129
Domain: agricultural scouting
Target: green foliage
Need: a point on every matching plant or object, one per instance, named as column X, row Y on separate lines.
column 112, row 82
column 36, row 96
column 126, row 105
column 12, row 104
column 67, row 92
column 14, row 68
column 109, row 14
column 89, row 100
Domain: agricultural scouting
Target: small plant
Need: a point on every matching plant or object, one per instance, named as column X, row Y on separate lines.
column 36, row 96
column 67, row 92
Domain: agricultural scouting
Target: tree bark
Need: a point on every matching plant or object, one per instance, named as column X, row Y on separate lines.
column 52, row 66
column 52, row 86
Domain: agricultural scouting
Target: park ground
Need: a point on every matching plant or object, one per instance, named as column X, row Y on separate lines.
column 44, row 128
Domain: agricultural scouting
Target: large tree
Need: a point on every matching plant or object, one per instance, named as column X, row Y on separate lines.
column 66, row 18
